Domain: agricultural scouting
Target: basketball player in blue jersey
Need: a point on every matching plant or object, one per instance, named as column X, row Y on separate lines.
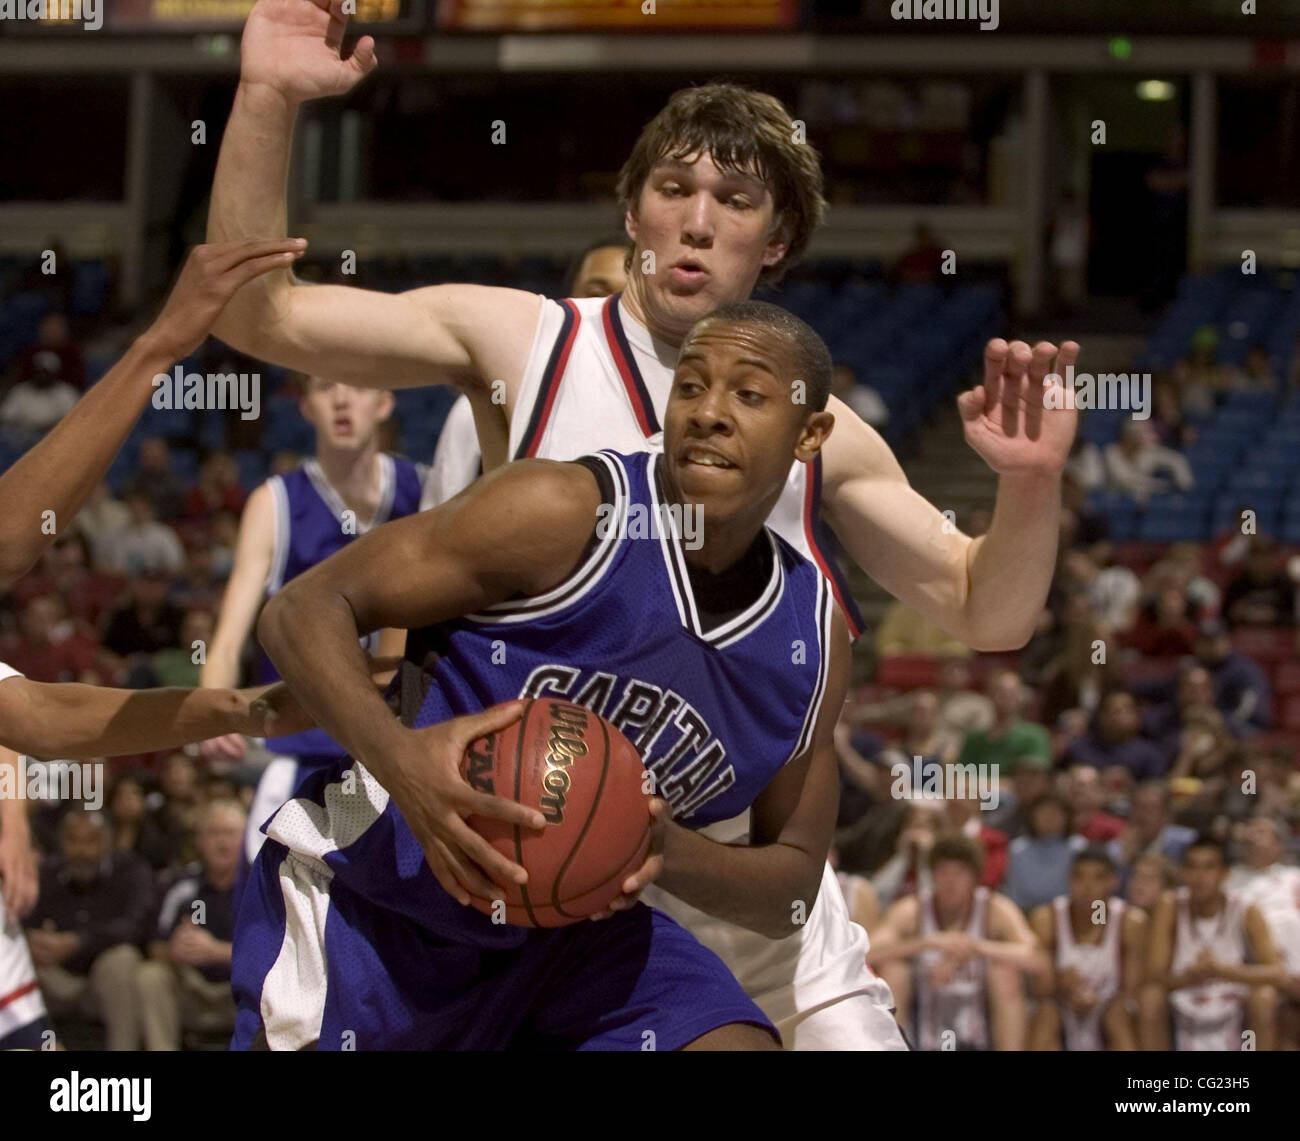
column 290, row 523
column 39, row 496
column 725, row 665
column 717, row 199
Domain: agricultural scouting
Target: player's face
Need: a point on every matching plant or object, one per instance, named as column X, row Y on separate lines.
column 601, row 273
column 710, row 231
column 1090, row 881
column 732, row 427
column 344, row 417
column 954, row 884
column 1203, row 873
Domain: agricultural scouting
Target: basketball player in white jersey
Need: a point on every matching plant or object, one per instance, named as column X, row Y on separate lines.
column 39, row 495
column 1097, row 944
column 717, row 199
column 953, row 955
column 1212, row 965
column 458, row 459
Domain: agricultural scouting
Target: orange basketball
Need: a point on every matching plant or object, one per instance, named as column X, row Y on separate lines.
column 586, row 779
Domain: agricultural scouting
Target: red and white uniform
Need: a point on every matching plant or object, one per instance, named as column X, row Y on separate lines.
column 20, row 997
column 961, row 1004
column 596, row 378
column 1099, row 965
column 1210, row 1015
column 1275, row 890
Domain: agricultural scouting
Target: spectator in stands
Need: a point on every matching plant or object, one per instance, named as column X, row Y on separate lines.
column 52, row 646
column 146, row 622
column 1241, row 690
column 1204, row 745
column 908, row 867
column 155, row 479
column 55, row 353
column 924, row 740
column 964, row 814
column 146, row 546
column 1183, row 566
column 1086, row 467
column 864, row 784
column 1256, row 376
column 961, row 709
column 1038, row 867
column 1081, row 670
column 65, row 572
column 87, row 928
column 200, row 588
column 1257, row 779
column 1261, row 594
column 1164, row 628
column 1150, row 828
column 1030, row 778
column 1262, row 877
column 1230, row 546
column 176, row 805
column 923, row 261
column 1171, row 427
column 180, row 664
column 1009, row 737
column 1150, row 877
column 1165, row 722
column 186, row 982
column 1086, row 796
column 1115, row 739
column 1138, row 466
column 1113, row 591
column 101, row 520
column 862, row 398
column 136, row 828
column 217, row 489
column 1197, row 384
column 904, row 631
column 33, row 406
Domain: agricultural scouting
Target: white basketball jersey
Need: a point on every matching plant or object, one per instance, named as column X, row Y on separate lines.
column 1097, row 964
column 1210, row 1015
column 1275, row 890
column 457, row 460
column 961, row 1004
column 595, row 379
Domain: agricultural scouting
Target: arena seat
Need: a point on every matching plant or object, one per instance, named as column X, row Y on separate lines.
column 1286, row 677
column 907, row 671
column 1264, row 643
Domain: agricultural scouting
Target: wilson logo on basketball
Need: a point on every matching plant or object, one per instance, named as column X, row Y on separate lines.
column 568, row 725
column 481, row 760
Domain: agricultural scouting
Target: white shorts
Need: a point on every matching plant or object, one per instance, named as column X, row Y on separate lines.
column 20, row 998
column 274, row 787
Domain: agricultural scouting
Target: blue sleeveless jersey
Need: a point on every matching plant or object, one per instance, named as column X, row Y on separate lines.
column 311, row 525
column 714, row 714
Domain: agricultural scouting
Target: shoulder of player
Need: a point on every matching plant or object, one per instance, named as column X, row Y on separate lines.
column 550, row 501
column 1003, row 915
column 1042, row 919
column 904, row 914
column 855, row 450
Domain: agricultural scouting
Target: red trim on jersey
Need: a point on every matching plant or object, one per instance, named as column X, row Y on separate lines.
column 644, row 417
column 553, row 382
column 823, row 564
column 15, row 995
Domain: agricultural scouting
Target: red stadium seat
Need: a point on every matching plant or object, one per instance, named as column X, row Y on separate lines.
column 1286, row 677
column 1264, row 643
column 1290, row 712
column 907, row 671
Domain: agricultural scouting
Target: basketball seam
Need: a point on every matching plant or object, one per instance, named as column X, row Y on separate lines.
column 519, row 768
column 586, row 825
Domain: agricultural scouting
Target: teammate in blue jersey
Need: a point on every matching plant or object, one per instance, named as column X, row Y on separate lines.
column 645, row 587
column 290, row 523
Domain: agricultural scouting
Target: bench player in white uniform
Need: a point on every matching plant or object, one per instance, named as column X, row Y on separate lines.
column 41, row 493
column 953, row 955
column 586, row 374
column 1098, row 948
column 1213, row 968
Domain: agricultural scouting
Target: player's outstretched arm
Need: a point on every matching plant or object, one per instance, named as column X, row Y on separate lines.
column 44, row 490
column 72, row 721
column 771, row 884
column 520, row 530
column 986, row 592
column 452, row 334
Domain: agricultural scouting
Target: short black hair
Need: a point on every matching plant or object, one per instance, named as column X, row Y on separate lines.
column 1095, row 854
column 622, row 241
column 812, row 359
column 1205, row 840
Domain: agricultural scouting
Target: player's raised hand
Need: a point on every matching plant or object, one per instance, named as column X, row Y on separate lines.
column 1011, row 419
column 435, row 800
column 208, row 280
column 294, row 47
column 653, row 866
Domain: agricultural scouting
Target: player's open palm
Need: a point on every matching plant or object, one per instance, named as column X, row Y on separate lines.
column 294, row 47
column 1012, row 420
column 435, row 800
column 208, row 280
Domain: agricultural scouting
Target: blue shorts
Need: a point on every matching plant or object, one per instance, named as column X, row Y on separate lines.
column 317, row 966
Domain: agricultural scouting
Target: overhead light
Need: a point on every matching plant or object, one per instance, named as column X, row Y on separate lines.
column 1156, row 90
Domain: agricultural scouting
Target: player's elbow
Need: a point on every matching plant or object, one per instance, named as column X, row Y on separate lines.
column 787, row 915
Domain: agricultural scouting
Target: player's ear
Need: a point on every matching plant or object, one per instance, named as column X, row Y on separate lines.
column 812, row 435
column 385, row 405
column 778, row 243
